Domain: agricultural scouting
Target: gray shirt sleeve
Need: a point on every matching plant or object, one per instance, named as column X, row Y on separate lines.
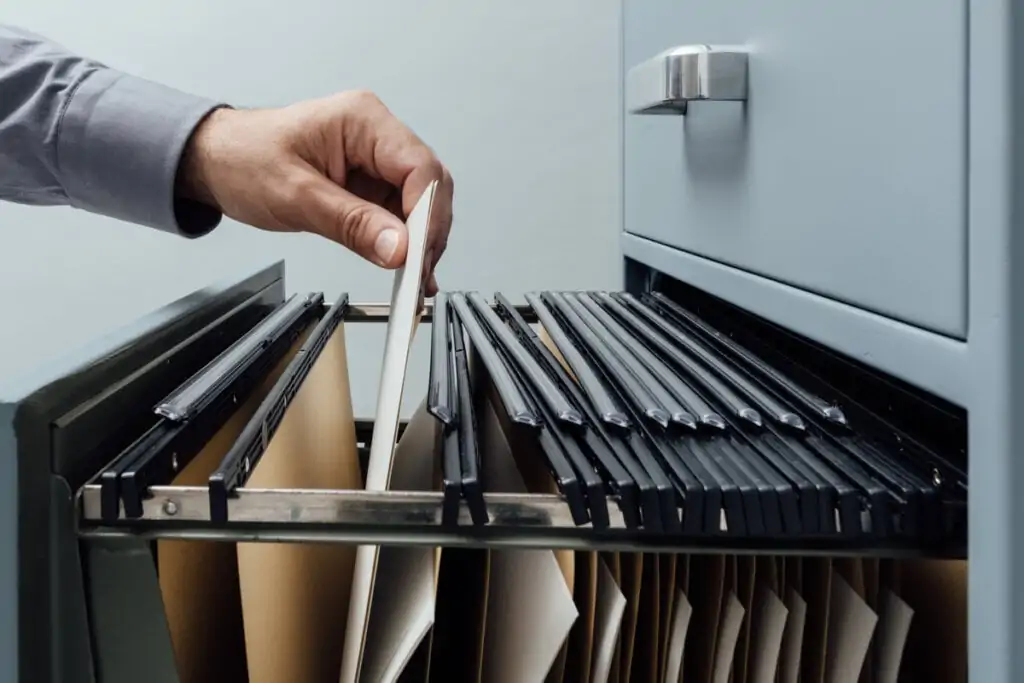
column 75, row 132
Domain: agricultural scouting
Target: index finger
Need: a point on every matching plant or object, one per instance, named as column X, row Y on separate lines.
column 384, row 147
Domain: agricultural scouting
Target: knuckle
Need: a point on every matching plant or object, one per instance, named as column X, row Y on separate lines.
column 447, row 179
column 428, row 161
column 364, row 98
column 353, row 223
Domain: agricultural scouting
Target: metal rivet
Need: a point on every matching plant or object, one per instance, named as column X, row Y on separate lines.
column 170, row 507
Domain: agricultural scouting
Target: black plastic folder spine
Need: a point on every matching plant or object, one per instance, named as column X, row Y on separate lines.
column 193, row 413
column 244, row 455
column 443, row 404
column 470, row 480
column 652, row 418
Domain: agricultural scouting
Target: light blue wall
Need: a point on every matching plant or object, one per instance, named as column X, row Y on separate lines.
column 518, row 97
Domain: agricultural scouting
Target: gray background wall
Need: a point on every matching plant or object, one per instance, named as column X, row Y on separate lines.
column 520, row 98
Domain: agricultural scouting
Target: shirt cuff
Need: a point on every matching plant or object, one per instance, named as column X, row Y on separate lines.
column 119, row 144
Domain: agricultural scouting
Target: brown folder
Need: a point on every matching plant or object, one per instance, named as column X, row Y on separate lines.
column 199, row 579
column 646, row 656
column 295, row 596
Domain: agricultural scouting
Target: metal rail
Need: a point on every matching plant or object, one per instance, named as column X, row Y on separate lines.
column 414, row 519
column 378, row 313
column 541, row 521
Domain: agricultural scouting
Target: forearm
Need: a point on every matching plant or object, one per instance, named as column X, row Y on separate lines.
column 73, row 131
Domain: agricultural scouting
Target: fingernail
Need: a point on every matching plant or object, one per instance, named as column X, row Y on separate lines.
column 386, row 245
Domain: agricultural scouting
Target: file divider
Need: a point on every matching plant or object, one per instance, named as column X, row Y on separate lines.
column 742, row 356
column 607, row 405
column 546, row 390
column 631, row 483
column 702, row 376
column 240, row 461
column 592, row 442
column 170, row 444
column 444, row 405
column 469, row 443
column 634, row 359
column 206, row 385
column 549, row 439
column 440, row 388
column 518, row 408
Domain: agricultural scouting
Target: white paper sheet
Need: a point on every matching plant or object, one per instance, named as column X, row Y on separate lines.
column 677, row 640
column 769, row 625
column 404, row 314
column 530, row 608
column 893, row 627
column 611, row 605
column 728, row 635
column 792, row 638
column 404, row 598
column 402, row 323
column 851, row 623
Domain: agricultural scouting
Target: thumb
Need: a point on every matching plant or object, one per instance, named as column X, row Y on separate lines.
column 367, row 229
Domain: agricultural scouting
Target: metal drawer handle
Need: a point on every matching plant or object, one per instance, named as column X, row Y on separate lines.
column 667, row 83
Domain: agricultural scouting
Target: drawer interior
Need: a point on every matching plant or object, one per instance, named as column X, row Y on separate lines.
column 744, row 435
column 887, row 464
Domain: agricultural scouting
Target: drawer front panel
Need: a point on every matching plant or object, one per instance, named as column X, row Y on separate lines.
column 843, row 172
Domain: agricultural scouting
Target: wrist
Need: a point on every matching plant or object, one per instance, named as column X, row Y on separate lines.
column 195, row 170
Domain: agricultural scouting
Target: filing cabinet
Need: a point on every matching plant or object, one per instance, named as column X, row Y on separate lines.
column 851, row 172
column 848, row 199
column 659, row 423
column 843, row 170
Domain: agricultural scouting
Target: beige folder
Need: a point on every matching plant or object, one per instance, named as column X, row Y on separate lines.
column 199, row 579
column 614, row 563
column 295, row 596
column 530, row 604
column 611, row 605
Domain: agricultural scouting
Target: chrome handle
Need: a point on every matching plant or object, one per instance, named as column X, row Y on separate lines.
column 667, row 83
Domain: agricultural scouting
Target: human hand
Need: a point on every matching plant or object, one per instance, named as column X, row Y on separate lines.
column 342, row 167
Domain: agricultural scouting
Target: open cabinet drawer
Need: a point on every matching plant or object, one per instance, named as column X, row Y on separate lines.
column 192, row 498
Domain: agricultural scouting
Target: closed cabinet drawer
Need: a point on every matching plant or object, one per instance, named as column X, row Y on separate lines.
column 842, row 172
